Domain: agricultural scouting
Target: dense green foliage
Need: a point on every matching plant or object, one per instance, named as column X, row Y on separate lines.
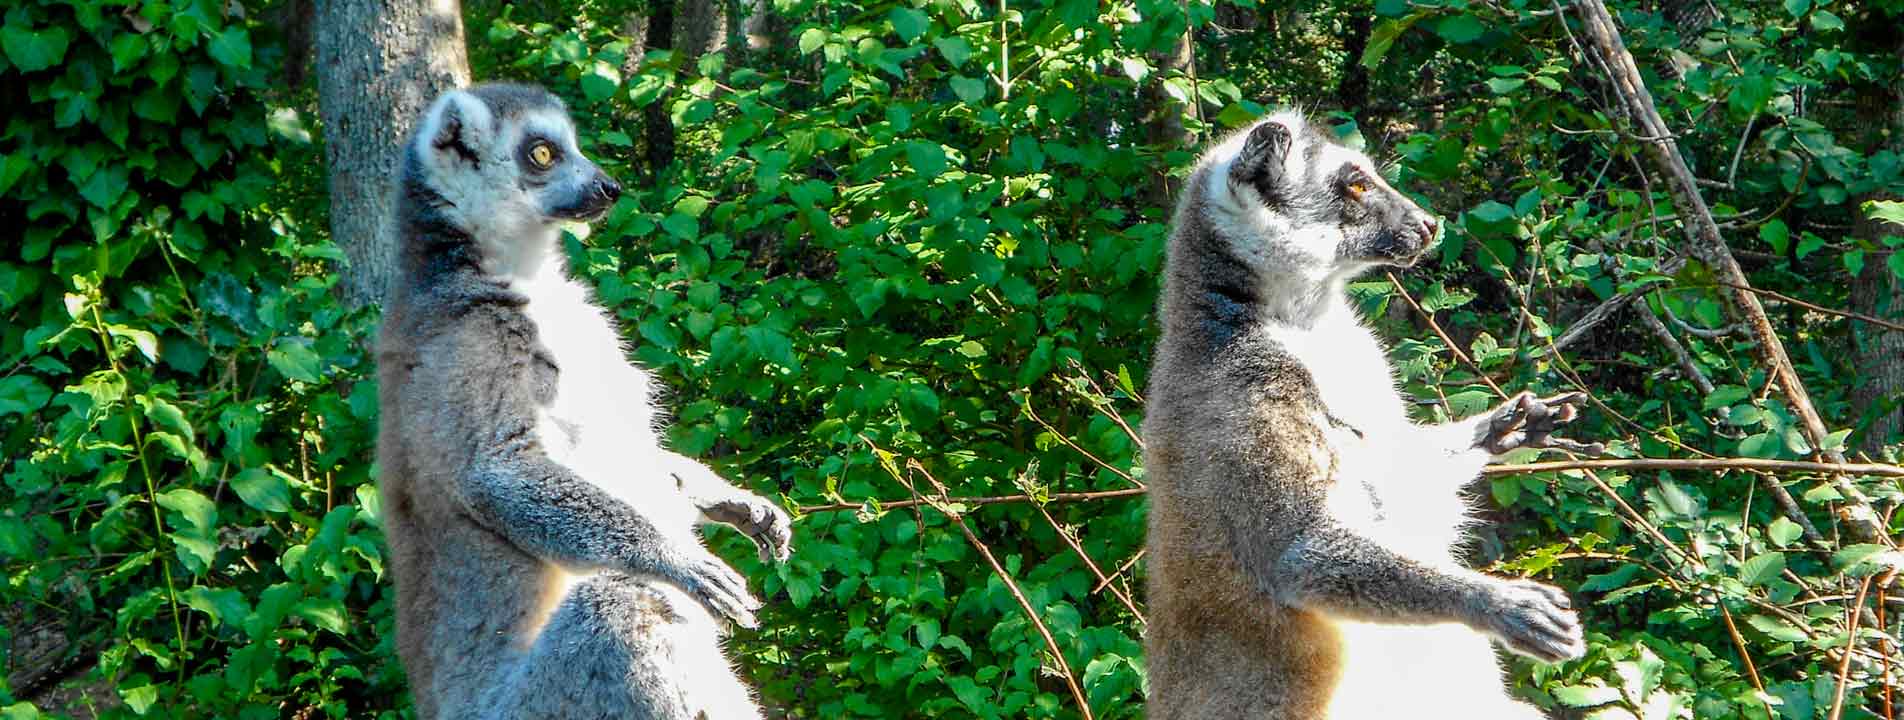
column 923, row 231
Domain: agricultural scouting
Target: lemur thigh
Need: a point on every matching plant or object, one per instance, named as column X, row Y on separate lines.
column 614, row 649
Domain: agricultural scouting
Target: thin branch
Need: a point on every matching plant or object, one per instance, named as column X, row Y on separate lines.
column 1693, row 373
column 1121, row 569
column 1851, row 641
column 1847, row 314
column 938, row 503
column 1616, row 464
column 1703, row 235
column 1102, row 580
column 1033, row 414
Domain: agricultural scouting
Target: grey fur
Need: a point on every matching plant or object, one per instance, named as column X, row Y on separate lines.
column 1254, row 579
column 526, row 589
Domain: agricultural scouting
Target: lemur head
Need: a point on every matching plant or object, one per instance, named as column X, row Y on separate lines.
column 1286, row 197
column 502, row 163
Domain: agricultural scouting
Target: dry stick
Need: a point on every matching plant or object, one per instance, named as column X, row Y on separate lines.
column 1847, row 314
column 1074, row 446
column 1851, row 641
column 1051, row 643
column 1703, row 233
column 1102, row 581
column 1688, row 464
column 1119, row 571
column 1680, row 355
column 1751, row 670
column 1104, row 406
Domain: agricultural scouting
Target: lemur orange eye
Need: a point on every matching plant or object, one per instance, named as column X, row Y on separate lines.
column 1357, row 187
column 542, row 155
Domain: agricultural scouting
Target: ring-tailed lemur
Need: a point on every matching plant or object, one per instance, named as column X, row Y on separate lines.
column 1302, row 529
column 543, row 540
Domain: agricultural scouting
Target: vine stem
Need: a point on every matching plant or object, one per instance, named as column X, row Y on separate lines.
column 151, row 491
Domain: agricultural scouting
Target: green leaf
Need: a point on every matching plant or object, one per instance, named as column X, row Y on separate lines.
column 1383, row 37
column 33, row 49
column 909, row 23
column 955, row 50
column 22, row 394
column 1775, row 233
column 1783, row 531
column 1862, row 559
column 231, row 48
column 324, row 613
column 1890, row 211
column 926, row 158
column 1762, row 569
column 970, row 90
column 1586, row 695
column 293, row 358
column 1460, row 29
column 1775, row 628
column 1503, row 86
column 811, row 39
column 264, row 489
column 601, row 81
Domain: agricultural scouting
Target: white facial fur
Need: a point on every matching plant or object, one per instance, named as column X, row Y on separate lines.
column 489, row 198
column 1298, row 254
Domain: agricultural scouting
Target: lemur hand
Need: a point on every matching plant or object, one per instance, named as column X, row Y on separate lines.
column 1529, row 421
column 709, row 580
column 759, row 518
column 1531, row 619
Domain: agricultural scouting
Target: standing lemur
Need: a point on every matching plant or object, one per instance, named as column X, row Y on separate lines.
column 543, row 540
column 1303, row 531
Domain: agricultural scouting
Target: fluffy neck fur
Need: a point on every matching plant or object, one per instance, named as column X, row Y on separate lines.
column 1213, row 293
column 433, row 240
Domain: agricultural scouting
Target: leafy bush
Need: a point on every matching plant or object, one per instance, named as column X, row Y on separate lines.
column 926, row 233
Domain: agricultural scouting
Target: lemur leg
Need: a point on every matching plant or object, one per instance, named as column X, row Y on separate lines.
column 618, row 647
column 720, row 501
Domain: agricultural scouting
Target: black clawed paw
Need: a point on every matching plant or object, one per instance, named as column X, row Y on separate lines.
column 1529, row 421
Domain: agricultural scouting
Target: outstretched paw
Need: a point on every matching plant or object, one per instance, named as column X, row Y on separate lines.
column 1529, row 421
column 1533, row 619
column 715, row 585
column 760, row 520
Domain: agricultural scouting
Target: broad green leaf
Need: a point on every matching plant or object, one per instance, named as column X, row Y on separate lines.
column 232, row 47
column 909, row 23
column 1762, row 568
column 1460, row 28
column 263, row 488
column 34, row 49
column 294, row 359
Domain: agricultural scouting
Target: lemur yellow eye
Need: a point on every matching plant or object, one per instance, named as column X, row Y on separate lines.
column 542, row 155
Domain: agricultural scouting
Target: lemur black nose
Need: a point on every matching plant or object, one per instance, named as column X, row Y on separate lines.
column 610, row 188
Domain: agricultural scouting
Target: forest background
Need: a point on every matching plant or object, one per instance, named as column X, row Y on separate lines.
column 898, row 261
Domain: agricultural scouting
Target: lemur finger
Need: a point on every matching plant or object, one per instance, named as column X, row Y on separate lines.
column 1575, row 446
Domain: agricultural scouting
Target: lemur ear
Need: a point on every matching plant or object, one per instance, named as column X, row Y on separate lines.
column 460, row 125
column 1261, row 161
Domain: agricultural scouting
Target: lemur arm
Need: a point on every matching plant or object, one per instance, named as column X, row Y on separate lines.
column 545, row 509
column 1332, row 570
column 722, row 502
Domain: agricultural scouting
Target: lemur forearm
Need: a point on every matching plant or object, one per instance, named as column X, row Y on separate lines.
column 1330, row 569
column 548, row 511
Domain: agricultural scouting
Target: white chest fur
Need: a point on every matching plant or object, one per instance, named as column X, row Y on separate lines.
column 1388, row 482
column 602, row 422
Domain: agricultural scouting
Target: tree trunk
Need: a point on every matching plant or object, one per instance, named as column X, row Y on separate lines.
column 380, row 63
column 657, row 123
column 1163, row 114
column 1877, row 291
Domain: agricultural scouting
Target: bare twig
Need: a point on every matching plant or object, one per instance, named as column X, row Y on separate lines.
column 1102, row 580
column 1033, row 414
column 1738, row 642
column 939, row 503
column 1851, row 641
column 1693, row 373
column 1847, row 314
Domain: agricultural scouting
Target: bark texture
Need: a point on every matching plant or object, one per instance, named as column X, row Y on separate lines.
column 379, row 64
column 1877, row 291
column 1163, row 114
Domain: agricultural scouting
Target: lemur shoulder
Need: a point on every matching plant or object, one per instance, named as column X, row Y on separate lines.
column 543, row 538
column 1303, row 530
